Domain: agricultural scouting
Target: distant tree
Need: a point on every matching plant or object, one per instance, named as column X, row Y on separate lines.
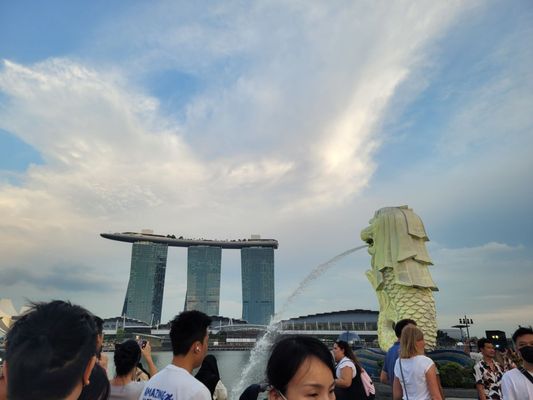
column 120, row 335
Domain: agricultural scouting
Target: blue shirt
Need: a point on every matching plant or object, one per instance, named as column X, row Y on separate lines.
column 390, row 360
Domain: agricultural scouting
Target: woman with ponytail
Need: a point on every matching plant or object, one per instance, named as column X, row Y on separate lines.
column 348, row 372
column 127, row 357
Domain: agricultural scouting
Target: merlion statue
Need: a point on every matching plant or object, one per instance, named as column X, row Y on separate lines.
column 399, row 274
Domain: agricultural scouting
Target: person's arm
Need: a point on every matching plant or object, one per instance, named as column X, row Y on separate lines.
column 102, row 361
column 346, row 377
column 385, row 373
column 433, row 384
column 3, row 388
column 147, row 354
column 478, row 378
column 480, row 391
column 441, row 391
column 384, row 377
column 397, row 392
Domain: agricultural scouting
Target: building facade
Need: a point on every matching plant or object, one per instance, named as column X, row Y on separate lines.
column 144, row 296
column 257, row 273
column 364, row 323
column 203, row 279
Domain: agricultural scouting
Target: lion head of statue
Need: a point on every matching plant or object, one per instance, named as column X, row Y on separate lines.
column 397, row 239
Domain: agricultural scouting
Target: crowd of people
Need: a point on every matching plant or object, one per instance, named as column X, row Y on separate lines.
column 497, row 375
column 415, row 376
column 54, row 351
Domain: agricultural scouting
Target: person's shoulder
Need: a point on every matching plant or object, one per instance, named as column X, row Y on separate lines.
column 167, row 381
column 512, row 374
column 499, row 366
column 425, row 360
column 393, row 348
column 163, row 377
column 196, row 390
column 346, row 362
column 131, row 390
column 135, row 384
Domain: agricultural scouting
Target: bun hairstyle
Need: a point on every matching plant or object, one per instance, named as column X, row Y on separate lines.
column 127, row 356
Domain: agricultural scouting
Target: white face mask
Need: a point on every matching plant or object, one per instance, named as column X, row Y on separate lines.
column 281, row 394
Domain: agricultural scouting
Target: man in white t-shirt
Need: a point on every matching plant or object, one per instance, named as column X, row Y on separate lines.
column 517, row 384
column 189, row 336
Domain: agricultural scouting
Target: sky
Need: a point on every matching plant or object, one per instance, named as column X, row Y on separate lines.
column 295, row 120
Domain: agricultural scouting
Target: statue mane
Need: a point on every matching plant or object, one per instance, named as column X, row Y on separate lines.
column 398, row 241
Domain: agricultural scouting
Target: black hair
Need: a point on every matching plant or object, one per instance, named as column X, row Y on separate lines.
column 398, row 326
column 127, row 356
column 98, row 387
column 288, row 355
column 519, row 332
column 208, row 373
column 348, row 352
column 482, row 342
column 99, row 325
column 187, row 328
column 49, row 349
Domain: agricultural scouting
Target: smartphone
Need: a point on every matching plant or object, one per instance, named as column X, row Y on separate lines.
column 143, row 344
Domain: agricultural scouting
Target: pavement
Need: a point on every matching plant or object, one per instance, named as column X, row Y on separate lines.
column 384, row 392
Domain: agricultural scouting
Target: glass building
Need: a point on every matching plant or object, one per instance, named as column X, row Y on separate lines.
column 203, row 279
column 257, row 269
column 144, row 297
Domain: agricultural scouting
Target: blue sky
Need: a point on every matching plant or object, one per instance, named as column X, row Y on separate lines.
column 294, row 120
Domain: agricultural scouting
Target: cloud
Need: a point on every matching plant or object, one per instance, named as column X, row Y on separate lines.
column 479, row 252
column 493, row 114
column 58, row 279
column 482, row 277
column 108, row 150
column 280, row 138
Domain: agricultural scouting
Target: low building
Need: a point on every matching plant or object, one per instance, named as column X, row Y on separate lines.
column 353, row 324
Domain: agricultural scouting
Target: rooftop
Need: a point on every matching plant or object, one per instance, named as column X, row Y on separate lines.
column 172, row 240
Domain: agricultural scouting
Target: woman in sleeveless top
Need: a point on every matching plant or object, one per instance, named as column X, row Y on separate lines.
column 348, row 384
column 415, row 374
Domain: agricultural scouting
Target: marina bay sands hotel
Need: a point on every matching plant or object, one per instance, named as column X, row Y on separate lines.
column 144, row 296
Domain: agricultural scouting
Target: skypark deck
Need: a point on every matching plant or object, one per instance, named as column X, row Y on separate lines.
column 171, row 240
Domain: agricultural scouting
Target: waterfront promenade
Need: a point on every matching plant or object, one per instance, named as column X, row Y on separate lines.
column 384, row 392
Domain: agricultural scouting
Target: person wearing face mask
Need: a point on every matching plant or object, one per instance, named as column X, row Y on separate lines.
column 517, row 384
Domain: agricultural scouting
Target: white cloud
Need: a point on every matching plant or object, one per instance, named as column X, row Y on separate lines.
column 486, row 250
column 481, row 281
column 288, row 124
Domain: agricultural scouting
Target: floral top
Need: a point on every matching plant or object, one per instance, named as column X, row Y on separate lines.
column 490, row 378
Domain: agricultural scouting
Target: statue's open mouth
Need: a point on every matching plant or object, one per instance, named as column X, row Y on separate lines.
column 370, row 242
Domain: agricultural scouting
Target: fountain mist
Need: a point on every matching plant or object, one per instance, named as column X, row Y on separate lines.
column 254, row 371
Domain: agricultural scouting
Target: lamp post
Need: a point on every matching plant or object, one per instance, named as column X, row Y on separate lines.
column 466, row 322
